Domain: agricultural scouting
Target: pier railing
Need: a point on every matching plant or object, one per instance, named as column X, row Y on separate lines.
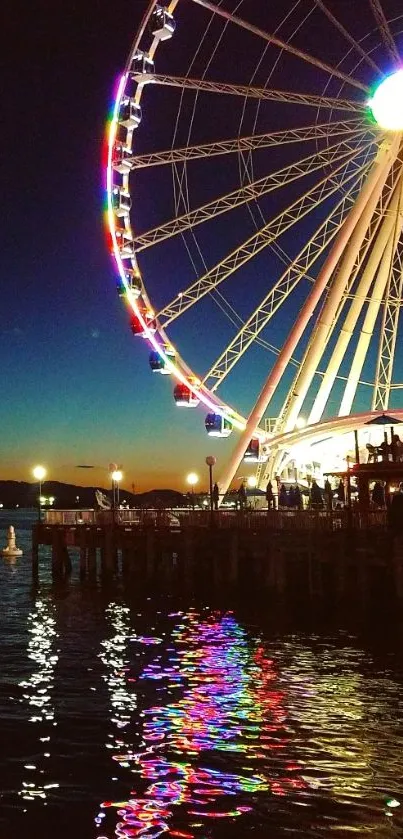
column 292, row 520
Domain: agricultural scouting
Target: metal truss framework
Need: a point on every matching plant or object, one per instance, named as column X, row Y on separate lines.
column 284, row 286
column 388, row 333
column 271, row 231
column 317, row 132
column 250, row 192
column 297, row 271
column 384, row 28
column 262, row 93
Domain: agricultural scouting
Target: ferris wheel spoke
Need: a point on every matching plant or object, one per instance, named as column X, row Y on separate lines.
column 278, row 42
column 249, row 192
column 262, row 93
column 241, row 255
column 321, row 5
column 287, row 282
column 384, row 28
column 245, row 144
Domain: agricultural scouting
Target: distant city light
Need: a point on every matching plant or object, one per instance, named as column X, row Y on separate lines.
column 387, row 102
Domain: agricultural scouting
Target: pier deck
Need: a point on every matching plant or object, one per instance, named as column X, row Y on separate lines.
column 339, row 551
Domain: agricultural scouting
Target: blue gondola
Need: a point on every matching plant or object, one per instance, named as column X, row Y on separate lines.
column 217, row 425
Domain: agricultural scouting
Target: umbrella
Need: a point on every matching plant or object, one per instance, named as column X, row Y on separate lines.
column 384, row 419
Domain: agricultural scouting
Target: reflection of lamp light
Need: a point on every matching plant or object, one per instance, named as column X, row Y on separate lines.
column 300, row 423
column 39, row 473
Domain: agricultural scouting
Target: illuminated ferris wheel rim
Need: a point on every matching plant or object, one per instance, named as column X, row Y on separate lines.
column 180, row 370
column 158, row 338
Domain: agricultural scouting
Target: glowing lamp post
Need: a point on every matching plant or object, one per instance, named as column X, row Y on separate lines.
column 39, row 473
column 192, row 479
column 116, row 476
column 211, row 461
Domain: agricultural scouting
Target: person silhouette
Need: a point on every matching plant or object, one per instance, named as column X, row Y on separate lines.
column 242, row 496
column 269, row 496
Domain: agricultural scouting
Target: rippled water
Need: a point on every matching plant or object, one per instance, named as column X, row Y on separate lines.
column 147, row 715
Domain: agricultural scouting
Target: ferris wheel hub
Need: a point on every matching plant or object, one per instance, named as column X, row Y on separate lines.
column 387, row 102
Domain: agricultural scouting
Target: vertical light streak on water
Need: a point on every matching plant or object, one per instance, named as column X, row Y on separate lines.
column 37, row 696
column 230, row 705
column 123, row 699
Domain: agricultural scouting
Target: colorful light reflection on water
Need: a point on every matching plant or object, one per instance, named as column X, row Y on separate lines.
column 215, row 691
column 193, row 724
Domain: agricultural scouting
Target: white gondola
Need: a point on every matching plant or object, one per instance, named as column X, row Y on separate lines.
column 134, row 281
column 125, row 244
column 162, row 24
column 121, row 201
column 130, row 113
column 121, row 158
column 142, row 65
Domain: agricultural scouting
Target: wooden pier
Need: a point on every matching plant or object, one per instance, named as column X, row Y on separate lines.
column 334, row 553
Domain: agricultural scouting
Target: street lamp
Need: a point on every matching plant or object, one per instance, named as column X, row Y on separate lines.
column 116, row 476
column 39, row 473
column 211, row 461
column 192, row 479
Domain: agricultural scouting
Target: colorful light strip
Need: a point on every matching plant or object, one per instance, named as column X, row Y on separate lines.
column 234, row 418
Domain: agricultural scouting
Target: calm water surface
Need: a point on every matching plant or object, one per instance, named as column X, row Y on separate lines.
column 141, row 715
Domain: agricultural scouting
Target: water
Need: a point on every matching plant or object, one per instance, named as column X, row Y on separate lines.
column 154, row 716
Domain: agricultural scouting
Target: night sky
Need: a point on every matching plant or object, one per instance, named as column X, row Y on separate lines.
column 76, row 386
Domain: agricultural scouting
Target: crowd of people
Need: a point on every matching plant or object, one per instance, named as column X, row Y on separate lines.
column 392, row 451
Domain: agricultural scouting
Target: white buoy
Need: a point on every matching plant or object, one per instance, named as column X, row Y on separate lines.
column 11, row 549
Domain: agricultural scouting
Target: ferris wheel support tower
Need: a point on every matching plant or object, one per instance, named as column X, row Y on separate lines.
column 345, row 248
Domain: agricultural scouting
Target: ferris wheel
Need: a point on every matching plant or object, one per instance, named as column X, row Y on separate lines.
column 255, row 212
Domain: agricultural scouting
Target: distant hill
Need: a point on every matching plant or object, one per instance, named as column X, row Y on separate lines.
column 69, row 496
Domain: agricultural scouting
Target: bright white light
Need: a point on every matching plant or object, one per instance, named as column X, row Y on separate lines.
column 387, row 102
column 251, row 481
column 117, row 475
column 192, row 478
column 39, row 473
column 300, row 423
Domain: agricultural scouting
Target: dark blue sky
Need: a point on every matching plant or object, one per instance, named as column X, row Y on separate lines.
column 76, row 386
